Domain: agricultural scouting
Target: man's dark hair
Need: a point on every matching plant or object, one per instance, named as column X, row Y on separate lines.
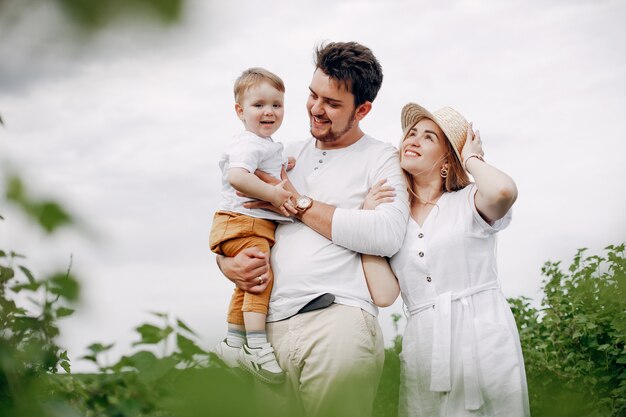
column 352, row 65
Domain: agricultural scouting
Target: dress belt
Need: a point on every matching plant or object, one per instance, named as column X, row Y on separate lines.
column 440, row 375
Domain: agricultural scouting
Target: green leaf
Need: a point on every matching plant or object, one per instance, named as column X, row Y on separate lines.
column 187, row 346
column 29, row 275
column 50, row 215
column 6, row 273
column 96, row 348
column 30, row 287
column 64, row 285
column 185, row 327
column 151, row 334
column 142, row 361
column 91, row 358
column 15, row 189
column 64, row 312
column 66, row 366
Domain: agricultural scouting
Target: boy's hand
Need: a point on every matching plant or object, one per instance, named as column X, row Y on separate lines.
column 378, row 194
column 285, row 184
column 291, row 162
column 282, row 200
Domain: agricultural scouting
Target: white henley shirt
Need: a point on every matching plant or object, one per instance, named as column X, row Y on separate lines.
column 305, row 263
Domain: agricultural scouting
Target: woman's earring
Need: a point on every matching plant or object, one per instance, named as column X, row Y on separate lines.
column 444, row 172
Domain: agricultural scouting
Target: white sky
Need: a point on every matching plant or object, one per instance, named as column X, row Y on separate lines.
column 126, row 129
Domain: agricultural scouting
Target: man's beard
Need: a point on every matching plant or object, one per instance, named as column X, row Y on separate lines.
column 331, row 136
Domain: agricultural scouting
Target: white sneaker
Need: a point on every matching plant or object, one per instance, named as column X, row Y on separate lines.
column 227, row 353
column 261, row 362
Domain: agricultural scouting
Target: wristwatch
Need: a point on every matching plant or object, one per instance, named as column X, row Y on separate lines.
column 303, row 203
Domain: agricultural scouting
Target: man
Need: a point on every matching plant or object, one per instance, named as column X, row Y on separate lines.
column 322, row 321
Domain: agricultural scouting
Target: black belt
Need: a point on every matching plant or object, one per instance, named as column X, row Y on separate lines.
column 318, row 303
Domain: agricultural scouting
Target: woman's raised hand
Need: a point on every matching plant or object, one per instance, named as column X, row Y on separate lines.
column 378, row 194
column 473, row 144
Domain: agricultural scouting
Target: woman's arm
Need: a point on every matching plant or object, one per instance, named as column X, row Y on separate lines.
column 496, row 191
column 381, row 281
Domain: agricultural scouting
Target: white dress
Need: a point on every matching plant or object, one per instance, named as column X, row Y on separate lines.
column 461, row 354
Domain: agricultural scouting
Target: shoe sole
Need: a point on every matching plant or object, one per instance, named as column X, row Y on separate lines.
column 251, row 370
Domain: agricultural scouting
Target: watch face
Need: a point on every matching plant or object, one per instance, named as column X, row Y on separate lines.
column 303, row 202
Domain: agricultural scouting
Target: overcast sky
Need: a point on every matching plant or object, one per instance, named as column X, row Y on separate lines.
column 126, row 127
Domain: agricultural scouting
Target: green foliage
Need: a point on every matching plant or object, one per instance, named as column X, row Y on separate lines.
column 93, row 14
column 386, row 402
column 575, row 344
column 48, row 214
column 29, row 355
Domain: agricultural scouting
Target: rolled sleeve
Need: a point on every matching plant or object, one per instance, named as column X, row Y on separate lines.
column 380, row 231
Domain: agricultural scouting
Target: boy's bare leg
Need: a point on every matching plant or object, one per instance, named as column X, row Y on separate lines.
column 255, row 322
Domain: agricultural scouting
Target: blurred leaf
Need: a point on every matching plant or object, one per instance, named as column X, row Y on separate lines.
column 66, row 366
column 34, row 286
column 28, row 274
column 142, row 361
column 187, row 347
column 48, row 214
column 185, row 327
column 99, row 347
column 64, row 285
column 161, row 315
column 151, row 334
column 14, row 189
column 6, row 273
column 90, row 358
column 94, row 14
column 64, row 312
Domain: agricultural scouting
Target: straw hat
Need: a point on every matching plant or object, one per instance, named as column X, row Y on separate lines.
column 450, row 121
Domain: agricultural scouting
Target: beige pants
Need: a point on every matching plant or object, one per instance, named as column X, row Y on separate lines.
column 333, row 359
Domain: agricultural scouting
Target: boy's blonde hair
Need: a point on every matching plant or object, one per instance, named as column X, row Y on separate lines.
column 253, row 77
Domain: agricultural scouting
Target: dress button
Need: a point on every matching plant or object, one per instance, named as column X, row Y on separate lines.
column 421, row 235
column 315, row 169
column 324, row 153
column 429, row 279
column 321, row 161
column 421, row 254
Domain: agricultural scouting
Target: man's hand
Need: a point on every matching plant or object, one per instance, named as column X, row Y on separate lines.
column 248, row 270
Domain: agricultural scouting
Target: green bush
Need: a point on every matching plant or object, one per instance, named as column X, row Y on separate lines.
column 574, row 345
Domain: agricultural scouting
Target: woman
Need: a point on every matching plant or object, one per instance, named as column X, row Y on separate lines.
column 461, row 354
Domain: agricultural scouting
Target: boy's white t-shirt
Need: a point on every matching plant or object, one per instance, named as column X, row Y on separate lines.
column 250, row 152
